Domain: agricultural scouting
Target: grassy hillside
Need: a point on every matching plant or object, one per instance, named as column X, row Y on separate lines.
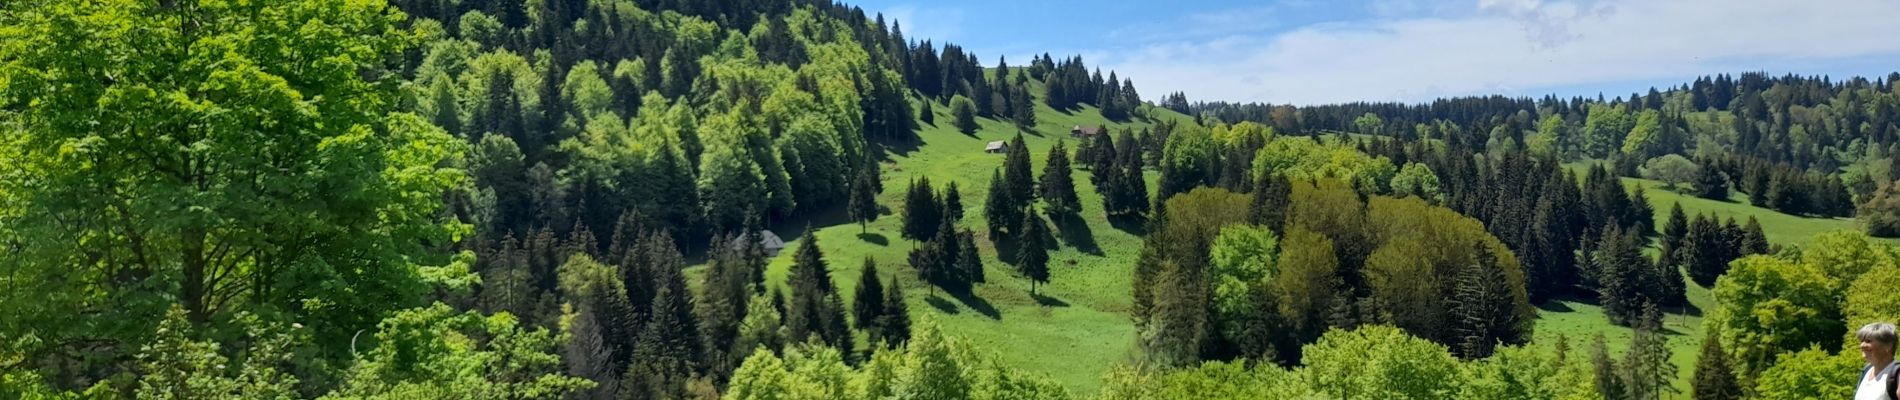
column 1078, row 326
column 1075, row 329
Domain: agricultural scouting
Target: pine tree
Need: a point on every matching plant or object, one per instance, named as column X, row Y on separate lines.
column 1713, row 378
column 813, row 309
column 1481, row 305
column 964, row 113
column 1032, row 252
column 1620, row 272
column 863, row 202
column 969, row 262
column 953, row 202
column 867, row 304
column 1609, row 380
column 1753, row 241
column 1017, row 176
column 927, row 114
column 1101, row 162
column 723, row 306
column 1646, row 365
column 1001, row 213
column 1675, row 235
column 894, row 328
column 1711, row 184
column 1058, row 186
column 1270, row 198
column 922, row 213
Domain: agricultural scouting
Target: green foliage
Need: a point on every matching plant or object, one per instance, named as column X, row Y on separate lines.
column 1880, row 214
column 1769, row 306
column 1714, row 380
column 1057, row 186
column 435, row 352
column 964, row 114
column 177, row 366
column 1809, row 374
column 932, row 366
column 1380, row 362
column 1417, row 180
column 1671, row 169
column 1303, row 159
column 204, row 166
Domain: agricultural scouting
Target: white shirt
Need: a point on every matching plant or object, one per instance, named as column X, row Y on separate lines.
column 1871, row 389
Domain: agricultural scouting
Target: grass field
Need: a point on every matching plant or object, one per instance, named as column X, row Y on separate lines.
column 1078, row 326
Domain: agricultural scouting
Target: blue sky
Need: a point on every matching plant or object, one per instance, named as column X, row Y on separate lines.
column 1313, row 52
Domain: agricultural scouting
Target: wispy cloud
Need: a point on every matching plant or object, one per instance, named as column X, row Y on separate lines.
column 1509, row 45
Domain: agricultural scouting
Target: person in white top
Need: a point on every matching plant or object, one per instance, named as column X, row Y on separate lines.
column 1876, row 346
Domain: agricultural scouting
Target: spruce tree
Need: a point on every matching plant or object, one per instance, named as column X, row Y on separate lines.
column 1714, row 380
column 894, row 328
column 964, row 114
column 1058, row 186
column 1017, row 178
column 1270, row 198
column 1753, row 240
column 1620, row 269
column 927, row 114
column 1675, row 235
column 1481, row 305
column 921, row 211
column 1001, row 213
column 813, row 311
column 969, row 262
column 863, row 201
column 867, row 303
column 1032, row 252
column 1609, row 380
column 1711, row 184
column 953, row 202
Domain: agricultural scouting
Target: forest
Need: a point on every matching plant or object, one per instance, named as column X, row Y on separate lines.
column 666, row 199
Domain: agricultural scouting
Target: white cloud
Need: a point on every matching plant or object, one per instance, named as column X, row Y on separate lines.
column 1501, row 46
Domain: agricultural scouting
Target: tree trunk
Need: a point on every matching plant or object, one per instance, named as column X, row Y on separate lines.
column 194, row 264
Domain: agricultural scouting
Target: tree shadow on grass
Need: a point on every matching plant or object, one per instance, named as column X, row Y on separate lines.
column 1076, row 233
column 1047, row 301
column 943, row 305
column 974, row 302
column 874, row 238
column 1133, row 225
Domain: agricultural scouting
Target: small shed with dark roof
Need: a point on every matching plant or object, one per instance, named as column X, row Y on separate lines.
column 1085, row 131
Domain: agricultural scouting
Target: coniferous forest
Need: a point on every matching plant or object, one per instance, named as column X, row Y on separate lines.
column 665, row 199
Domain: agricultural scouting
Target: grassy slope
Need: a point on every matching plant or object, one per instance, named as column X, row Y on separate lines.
column 1075, row 331
column 1078, row 328
column 1581, row 320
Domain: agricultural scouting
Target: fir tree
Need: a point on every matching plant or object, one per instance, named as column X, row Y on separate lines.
column 922, row 213
column 1711, row 184
column 863, row 202
column 1270, row 198
column 1058, row 186
column 1101, row 162
column 1481, row 305
column 867, row 304
column 1001, row 213
column 894, row 328
column 1675, row 235
column 1017, row 178
column 1609, row 380
column 1753, row 241
column 814, row 312
column 1714, row 380
column 969, row 262
column 953, row 202
column 964, row 114
column 1032, row 252
column 927, row 114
